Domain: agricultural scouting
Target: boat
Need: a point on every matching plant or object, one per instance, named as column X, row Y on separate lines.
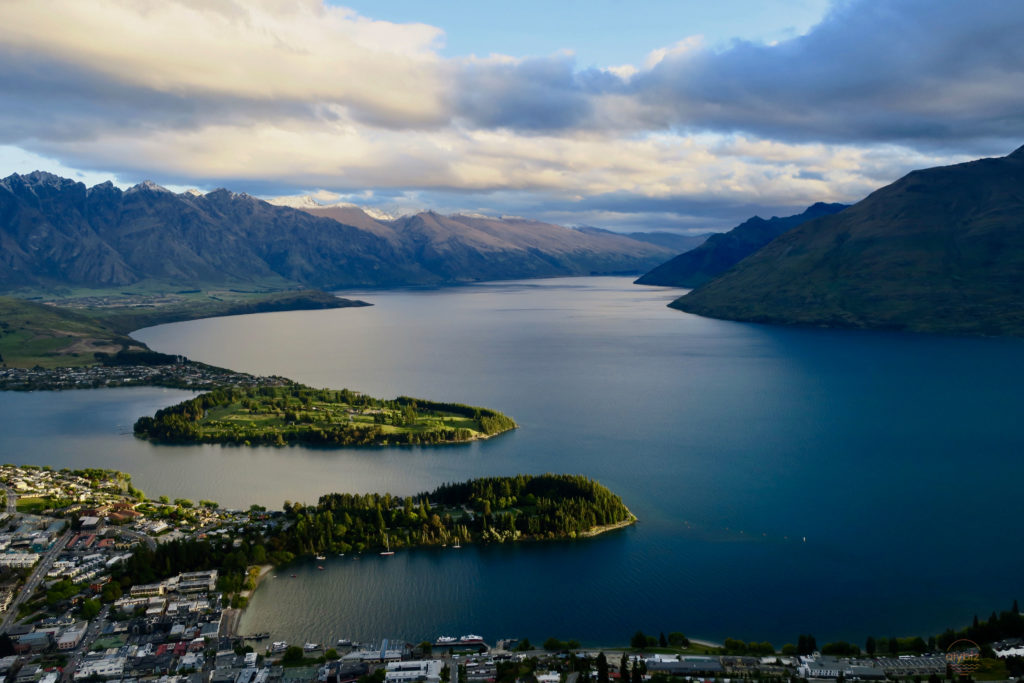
column 321, row 558
column 446, row 640
column 471, row 640
column 279, row 646
column 387, row 545
column 320, row 567
column 457, row 545
column 344, row 642
column 310, row 647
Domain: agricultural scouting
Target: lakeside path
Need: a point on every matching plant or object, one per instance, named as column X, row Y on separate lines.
column 231, row 617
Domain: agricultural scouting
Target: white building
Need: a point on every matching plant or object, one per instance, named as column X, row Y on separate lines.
column 19, row 560
column 108, row 667
column 422, row 670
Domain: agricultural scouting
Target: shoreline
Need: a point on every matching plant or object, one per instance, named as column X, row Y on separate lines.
column 234, row 614
column 605, row 528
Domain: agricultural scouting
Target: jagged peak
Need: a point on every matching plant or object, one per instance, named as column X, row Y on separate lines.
column 38, row 178
column 193, row 192
column 149, row 186
column 296, row 202
column 105, row 187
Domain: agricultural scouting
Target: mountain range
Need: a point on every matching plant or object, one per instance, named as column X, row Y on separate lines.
column 721, row 251
column 939, row 250
column 55, row 232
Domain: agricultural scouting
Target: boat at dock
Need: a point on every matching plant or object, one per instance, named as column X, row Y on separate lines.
column 278, row 647
column 387, row 546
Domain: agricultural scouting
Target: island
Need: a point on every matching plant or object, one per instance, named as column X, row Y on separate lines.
column 283, row 415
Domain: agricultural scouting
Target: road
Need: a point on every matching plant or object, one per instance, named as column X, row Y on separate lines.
column 34, row 579
column 139, row 536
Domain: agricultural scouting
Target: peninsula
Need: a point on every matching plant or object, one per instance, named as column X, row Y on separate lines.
column 486, row 510
column 278, row 416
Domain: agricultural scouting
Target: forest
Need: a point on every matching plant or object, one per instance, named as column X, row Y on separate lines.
column 488, row 510
column 279, row 416
column 492, row 509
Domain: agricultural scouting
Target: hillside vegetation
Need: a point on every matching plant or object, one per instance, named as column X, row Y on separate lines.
column 297, row 414
column 96, row 329
column 940, row 250
column 36, row 334
column 721, row 252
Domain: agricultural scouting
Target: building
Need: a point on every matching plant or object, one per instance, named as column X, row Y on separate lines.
column 147, row 590
column 107, row 667
column 71, row 638
column 197, row 582
column 428, row 670
column 18, row 560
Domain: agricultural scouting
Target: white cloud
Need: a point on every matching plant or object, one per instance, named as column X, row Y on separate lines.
column 299, row 51
column 297, row 94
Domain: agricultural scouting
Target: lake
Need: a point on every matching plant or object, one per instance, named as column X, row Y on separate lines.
column 787, row 480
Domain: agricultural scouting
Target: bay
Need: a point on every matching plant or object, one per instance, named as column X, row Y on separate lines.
column 895, row 456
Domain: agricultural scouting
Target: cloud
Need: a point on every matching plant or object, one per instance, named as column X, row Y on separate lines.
column 278, row 96
column 916, row 72
column 235, row 51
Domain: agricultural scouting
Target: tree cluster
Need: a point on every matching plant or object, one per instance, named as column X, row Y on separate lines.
column 501, row 508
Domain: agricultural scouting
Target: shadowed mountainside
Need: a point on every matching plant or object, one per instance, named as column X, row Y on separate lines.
column 940, row 250
column 722, row 251
column 55, row 232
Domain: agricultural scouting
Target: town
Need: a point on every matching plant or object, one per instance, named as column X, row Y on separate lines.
column 179, row 375
column 66, row 616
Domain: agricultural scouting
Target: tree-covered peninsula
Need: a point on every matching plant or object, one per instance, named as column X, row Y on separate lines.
column 492, row 509
column 299, row 414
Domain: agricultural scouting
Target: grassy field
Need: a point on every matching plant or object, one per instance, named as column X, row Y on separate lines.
column 294, row 414
column 33, row 504
column 67, row 332
column 36, row 334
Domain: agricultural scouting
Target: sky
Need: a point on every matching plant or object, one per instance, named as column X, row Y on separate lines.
column 679, row 115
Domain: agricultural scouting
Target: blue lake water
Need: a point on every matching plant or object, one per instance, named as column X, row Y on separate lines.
column 897, row 458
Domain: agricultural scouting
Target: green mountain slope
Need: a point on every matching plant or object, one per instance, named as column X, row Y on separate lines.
column 940, row 250
column 722, row 251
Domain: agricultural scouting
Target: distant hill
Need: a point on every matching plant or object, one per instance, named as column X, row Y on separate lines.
column 36, row 334
column 670, row 240
column 55, row 232
column 940, row 250
column 722, row 251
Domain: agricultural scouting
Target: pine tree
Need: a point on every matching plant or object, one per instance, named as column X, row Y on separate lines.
column 602, row 668
column 637, row 676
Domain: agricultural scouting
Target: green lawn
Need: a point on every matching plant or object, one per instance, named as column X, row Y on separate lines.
column 297, row 414
column 33, row 504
